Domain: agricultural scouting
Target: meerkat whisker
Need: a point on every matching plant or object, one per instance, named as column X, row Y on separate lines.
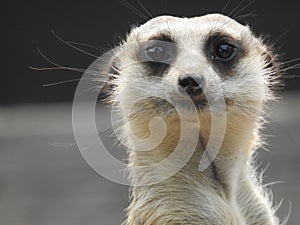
column 251, row 14
column 93, row 72
column 144, row 8
column 61, row 82
column 247, row 5
column 225, row 7
column 72, row 46
column 290, row 61
column 236, row 8
column 68, row 81
column 133, row 9
column 58, row 66
column 87, row 45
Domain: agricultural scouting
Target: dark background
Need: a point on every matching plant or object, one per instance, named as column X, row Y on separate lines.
column 27, row 25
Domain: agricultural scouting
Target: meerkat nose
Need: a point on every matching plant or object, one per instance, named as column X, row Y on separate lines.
column 192, row 84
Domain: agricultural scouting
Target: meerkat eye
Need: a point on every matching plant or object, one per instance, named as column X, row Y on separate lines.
column 224, row 52
column 157, row 53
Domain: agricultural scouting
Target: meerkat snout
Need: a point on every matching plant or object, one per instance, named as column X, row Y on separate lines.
column 192, row 84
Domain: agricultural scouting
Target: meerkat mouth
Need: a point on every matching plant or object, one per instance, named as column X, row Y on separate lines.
column 199, row 102
column 180, row 102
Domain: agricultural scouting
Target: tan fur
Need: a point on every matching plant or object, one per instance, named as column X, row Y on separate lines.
column 226, row 193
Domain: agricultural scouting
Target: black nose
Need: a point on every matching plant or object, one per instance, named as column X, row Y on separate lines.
column 192, row 84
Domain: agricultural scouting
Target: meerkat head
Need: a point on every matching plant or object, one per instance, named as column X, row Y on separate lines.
column 190, row 62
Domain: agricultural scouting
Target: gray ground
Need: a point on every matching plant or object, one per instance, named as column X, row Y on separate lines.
column 45, row 180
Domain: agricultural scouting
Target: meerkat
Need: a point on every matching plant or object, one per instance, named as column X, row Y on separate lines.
column 187, row 56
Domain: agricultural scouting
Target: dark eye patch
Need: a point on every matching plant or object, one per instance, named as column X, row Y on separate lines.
column 223, row 52
column 157, row 54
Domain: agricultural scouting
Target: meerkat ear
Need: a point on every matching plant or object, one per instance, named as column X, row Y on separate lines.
column 109, row 73
column 269, row 59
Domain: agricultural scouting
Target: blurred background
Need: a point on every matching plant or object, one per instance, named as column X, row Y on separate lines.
column 43, row 177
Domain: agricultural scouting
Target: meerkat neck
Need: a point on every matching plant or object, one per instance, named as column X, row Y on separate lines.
column 215, row 196
column 185, row 198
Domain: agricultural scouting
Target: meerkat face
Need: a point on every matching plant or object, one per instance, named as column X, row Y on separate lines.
column 170, row 59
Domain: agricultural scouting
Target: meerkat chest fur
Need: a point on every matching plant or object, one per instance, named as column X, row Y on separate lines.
column 188, row 89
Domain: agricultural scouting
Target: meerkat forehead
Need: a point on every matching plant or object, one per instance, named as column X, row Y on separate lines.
column 194, row 33
column 189, row 28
